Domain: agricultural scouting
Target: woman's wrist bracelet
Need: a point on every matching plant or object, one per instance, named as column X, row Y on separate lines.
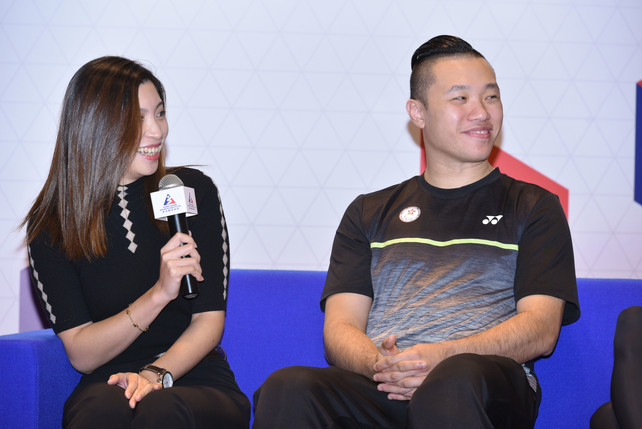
column 129, row 314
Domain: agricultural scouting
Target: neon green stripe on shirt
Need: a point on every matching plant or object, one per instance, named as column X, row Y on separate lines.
column 377, row 245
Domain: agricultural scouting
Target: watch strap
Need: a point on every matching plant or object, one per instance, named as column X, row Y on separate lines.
column 155, row 369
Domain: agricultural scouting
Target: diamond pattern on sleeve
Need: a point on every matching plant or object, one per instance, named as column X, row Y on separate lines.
column 40, row 288
column 226, row 258
column 122, row 193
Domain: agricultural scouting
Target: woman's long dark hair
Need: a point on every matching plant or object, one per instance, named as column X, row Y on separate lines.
column 98, row 136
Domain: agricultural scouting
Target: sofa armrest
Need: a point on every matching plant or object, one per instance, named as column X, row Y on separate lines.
column 37, row 379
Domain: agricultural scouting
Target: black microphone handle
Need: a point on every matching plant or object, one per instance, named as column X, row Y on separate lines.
column 189, row 286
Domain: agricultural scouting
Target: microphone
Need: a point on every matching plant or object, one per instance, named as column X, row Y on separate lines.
column 173, row 202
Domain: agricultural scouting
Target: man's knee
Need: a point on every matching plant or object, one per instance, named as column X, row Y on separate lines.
column 470, row 377
column 456, row 377
column 464, row 369
column 477, row 391
column 455, row 380
column 292, row 383
column 291, row 397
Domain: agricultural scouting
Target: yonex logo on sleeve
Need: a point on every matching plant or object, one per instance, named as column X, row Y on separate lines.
column 493, row 220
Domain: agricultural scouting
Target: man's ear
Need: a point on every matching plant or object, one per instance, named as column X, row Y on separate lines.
column 416, row 109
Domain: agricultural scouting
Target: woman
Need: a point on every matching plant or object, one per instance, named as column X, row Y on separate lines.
column 108, row 274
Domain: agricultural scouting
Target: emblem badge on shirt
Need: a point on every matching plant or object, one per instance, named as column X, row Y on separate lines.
column 409, row 214
column 492, row 219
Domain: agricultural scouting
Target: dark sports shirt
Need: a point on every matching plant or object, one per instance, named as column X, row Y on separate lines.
column 442, row 264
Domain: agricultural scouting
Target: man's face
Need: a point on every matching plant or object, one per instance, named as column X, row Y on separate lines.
column 463, row 113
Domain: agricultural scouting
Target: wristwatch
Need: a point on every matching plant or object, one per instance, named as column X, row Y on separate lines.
column 164, row 376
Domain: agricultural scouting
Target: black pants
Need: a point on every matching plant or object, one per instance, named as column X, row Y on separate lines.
column 625, row 409
column 465, row 391
column 207, row 397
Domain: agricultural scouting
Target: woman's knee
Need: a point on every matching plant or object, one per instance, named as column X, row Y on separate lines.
column 190, row 406
column 97, row 405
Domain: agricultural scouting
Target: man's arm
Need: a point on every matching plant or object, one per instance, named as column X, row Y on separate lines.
column 531, row 333
column 346, row 344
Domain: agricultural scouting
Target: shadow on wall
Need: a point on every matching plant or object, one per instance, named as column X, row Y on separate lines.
column 32, row 316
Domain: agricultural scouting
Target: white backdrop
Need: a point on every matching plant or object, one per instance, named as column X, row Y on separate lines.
column 294, row 107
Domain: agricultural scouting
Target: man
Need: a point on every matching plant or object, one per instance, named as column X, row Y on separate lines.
column 443, row 289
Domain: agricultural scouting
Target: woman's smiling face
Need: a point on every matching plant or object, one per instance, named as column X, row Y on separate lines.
column 154, row 130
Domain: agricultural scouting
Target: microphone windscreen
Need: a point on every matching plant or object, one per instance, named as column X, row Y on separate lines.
column 169, row 181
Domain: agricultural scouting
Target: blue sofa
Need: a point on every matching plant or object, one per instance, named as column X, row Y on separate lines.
column 274, row 320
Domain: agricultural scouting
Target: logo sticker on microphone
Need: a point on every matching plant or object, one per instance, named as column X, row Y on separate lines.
column 174, row 201
column 191, row 204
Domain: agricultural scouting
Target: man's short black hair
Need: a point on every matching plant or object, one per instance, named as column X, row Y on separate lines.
column 425, row 55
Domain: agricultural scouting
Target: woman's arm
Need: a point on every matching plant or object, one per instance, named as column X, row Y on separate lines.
column 93, row 344
column 201, row 336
